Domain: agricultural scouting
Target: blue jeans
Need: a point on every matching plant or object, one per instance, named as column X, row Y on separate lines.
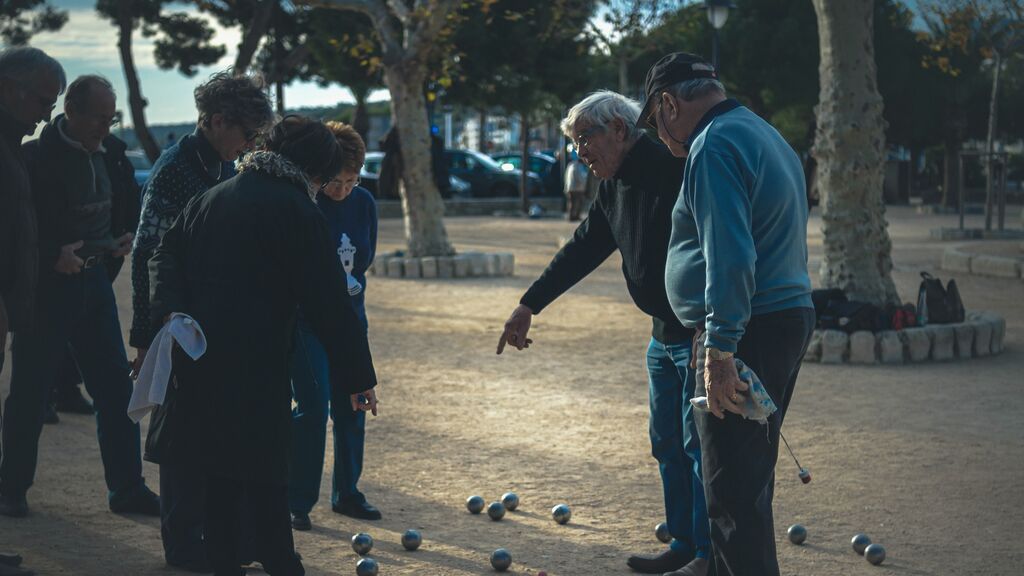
column 78, row 309
column 676, row 446
column 311, row 389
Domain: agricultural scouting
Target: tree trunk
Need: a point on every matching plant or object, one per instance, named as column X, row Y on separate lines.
column 950, row 173
column 524, row 162
column 126, row 25
column 850, row 150
column 279, row 97
column 252, row 33
column 993, row 113
column 422, row 206
column 482, row 147
column 360, row 116
column 623, row 74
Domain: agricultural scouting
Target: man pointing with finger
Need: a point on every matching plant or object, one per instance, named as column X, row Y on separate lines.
column 632, row 214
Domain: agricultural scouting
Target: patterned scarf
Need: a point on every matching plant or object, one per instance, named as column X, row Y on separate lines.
column 274, row 164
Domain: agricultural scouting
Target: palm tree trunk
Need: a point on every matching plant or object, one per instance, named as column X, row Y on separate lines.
column 422, row 206
column 850, row 150
column 126, row 26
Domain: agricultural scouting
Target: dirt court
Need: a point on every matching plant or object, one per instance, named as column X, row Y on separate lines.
column 927, row 459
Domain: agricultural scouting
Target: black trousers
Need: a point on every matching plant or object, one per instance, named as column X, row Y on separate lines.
column 182, row 510
column 739, row 455
column 264, row 521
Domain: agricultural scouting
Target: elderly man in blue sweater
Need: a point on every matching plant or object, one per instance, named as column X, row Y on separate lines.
column 737, row 273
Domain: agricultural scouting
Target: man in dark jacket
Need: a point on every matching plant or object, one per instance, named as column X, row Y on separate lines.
column 30, row 82
column 86, row 203
column 243, row 280
column 632, row 214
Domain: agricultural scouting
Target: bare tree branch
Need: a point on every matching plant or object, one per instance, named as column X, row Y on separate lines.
column 400, row 10
column 422, row 36
column 377, row 10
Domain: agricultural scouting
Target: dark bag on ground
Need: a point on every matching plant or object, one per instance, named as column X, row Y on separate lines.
column 852, row 316
column 938, row 305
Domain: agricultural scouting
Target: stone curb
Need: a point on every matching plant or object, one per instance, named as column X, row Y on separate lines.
column 981, row 334
column 464, row 265
column 956, row 260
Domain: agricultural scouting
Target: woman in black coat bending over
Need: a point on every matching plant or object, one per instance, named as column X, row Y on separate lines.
column 241, row 260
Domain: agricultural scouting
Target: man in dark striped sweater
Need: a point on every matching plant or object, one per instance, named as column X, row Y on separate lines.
column 233, row 111
column 633, row 214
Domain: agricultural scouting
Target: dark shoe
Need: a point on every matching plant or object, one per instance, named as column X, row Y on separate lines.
column 301, row 521
column 50, row 415
column 697, row 567
column 13, row 506
column 73, row 402
column 667, row 561
column 355, row 509
column 198, row 566
column 10, row 559
column 141, row 500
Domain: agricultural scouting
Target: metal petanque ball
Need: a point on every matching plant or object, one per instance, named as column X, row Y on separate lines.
column 797, row 534
column 561, row 513
column 661, row 533
column 412, row 539
column 362, row 543
column 475, row 504
column 860, row 542
column 367, row 567
column 874, row 554
column 496, row 510
column 510, row 500
column 501, row 559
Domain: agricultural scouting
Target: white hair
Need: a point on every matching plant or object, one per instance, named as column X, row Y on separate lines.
column 20, row 63
column 600, row 109
column 690, row 90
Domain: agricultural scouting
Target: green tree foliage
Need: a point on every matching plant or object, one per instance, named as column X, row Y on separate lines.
column 21, row 19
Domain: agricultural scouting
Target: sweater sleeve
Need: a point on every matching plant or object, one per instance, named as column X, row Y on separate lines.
column 722, row 212
column 155, row 220
column 167, row 276
column 591, row 245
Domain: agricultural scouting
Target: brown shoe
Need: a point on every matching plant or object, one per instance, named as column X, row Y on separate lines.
column 697, row 567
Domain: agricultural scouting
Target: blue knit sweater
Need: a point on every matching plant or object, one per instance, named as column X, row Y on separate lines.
column 739, row 228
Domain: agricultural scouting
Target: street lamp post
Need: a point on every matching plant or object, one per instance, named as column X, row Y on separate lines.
column 718, row 13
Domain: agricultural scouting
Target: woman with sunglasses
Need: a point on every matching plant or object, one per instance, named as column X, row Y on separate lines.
column 351, row 215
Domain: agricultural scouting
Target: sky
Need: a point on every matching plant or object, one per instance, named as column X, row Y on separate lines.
column 88, row 45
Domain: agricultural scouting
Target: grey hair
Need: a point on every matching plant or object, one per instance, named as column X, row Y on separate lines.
column 241, row 99
column 600, row 109
column 20, row 63
column 690, row 90
column 79, row 89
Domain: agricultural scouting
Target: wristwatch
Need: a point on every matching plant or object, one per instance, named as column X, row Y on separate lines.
column 716, row 354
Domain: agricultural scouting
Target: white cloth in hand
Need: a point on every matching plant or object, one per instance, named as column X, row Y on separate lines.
column 151, row 385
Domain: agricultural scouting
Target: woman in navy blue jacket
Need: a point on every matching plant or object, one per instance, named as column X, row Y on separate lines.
column 351, row 214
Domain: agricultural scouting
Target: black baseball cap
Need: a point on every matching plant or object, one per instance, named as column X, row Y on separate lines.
column 670, row 70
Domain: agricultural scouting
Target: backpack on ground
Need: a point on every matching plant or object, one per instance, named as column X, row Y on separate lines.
column 938, row 305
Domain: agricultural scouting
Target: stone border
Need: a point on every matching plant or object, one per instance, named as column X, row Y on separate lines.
column 980, row 335
column 955, row 260
column 466, row 265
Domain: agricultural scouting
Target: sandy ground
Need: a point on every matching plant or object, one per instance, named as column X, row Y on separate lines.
column 927, row 459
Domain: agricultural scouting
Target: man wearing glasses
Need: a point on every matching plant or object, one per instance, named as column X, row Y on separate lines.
column 233, row 111
column 86, row 204
column 633, row 214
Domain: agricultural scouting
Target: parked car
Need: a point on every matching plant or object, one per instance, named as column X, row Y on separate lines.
column 370, row 173
column 541, row 164
column 486, row 177
column 141, row 164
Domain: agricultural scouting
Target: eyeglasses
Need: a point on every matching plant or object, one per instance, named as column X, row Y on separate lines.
column 583, row 138
column 347, row 184
column 103, row 120
column 652, row 120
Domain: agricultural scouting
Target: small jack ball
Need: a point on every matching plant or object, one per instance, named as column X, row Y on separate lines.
column 496, row 510
column 510, row 500
column 362, row 543
column 875, row 554
column 860, row 542
column 501, row 559
column 475, row 504
column 661, row 533
column 797, row 534
column 367, row 567
column 805, row 475
column 411, row 539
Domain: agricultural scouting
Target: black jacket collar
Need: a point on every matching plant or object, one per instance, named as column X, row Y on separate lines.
column 203, row 156
column 637, row 164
